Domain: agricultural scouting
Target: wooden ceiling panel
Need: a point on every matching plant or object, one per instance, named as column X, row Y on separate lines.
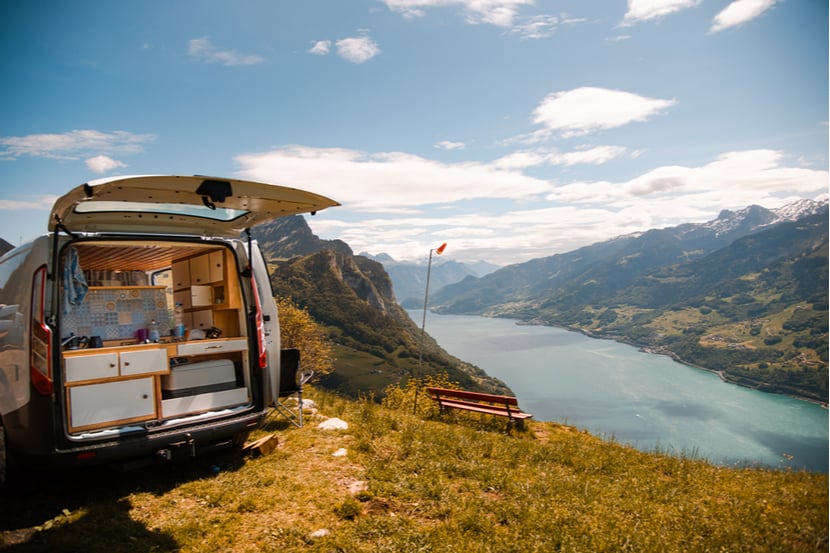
column 132, row 257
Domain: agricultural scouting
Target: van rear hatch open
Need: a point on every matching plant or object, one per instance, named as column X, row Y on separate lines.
column 181, row 205
column 155, row 251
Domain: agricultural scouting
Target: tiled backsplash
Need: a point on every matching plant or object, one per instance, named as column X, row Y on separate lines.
column 118, row 313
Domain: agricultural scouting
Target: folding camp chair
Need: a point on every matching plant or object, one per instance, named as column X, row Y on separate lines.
column 291, row 386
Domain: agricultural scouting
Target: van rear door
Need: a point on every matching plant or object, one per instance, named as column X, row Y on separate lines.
column 180, row 205
column 270, row 321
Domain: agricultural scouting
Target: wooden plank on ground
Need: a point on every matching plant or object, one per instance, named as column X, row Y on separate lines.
column 262, row 446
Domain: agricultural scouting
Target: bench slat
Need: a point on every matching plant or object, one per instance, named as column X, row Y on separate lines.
column 474, row 396
column 489, row 404
column 479, row 408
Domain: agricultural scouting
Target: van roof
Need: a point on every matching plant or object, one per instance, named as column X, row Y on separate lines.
column 178, row 204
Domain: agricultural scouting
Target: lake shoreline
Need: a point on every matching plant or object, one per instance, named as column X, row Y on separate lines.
column 661, row 350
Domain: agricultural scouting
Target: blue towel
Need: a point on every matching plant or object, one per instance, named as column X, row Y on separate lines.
column 74, row 281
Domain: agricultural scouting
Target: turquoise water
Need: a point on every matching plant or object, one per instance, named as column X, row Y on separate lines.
column 648, row 401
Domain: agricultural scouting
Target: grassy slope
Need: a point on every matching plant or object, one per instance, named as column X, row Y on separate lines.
column 424, row 484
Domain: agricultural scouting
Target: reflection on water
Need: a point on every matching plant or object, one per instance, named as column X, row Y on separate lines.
column 649, row 401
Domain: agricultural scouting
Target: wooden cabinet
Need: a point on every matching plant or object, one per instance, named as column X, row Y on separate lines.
column 113, row 386
column 200, row 269
column 208, row 289
column 216, row 262
column 91, row 364
column 91, row 367
column 146, row 361
column 181, row 274
column 202, row 318
column 111, row 403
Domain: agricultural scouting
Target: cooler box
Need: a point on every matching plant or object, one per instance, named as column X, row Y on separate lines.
column 199, row 378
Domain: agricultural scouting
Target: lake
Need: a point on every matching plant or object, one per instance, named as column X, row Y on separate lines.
column 615, row 391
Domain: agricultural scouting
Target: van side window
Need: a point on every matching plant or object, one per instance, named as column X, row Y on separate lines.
column 38, row 295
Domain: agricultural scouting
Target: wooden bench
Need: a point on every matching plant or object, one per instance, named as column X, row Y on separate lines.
column 489, row 404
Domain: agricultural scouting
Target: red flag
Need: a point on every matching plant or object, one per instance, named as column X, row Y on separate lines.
column 440, row 249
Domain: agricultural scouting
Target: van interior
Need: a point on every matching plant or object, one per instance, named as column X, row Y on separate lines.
column 152, row 334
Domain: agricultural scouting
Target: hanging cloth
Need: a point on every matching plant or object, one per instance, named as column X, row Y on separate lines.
column 74, row 281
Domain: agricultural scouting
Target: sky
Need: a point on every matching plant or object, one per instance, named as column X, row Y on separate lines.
column 510, row 129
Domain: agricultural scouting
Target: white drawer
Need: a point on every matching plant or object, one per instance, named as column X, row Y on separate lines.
column 144, row 361
column 203, row 347
column 89, row 367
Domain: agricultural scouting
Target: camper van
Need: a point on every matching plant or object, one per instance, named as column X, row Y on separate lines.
column 142, row 325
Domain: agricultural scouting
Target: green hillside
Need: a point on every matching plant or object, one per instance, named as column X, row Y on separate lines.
column 396, row 482
column 755, row 310
column 377, row 344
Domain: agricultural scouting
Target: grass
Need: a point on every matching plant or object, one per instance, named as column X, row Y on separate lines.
column 423, row 483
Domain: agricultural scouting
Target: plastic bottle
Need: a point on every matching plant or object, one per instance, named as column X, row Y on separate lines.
column 178, row 321
column 153, row 332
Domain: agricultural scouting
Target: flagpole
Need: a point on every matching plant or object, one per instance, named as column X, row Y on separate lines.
column 439, row 250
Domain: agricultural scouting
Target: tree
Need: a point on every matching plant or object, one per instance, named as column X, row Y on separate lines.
column 299, row 330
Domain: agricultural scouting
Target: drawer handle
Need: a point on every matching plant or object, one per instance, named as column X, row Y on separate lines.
column 214, row 347
column 126, row 363
column 112, row 365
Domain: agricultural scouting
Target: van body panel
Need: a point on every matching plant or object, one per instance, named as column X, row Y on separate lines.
column 91, row 362
column 193, row 205
column 16, row 270
column 271, row 322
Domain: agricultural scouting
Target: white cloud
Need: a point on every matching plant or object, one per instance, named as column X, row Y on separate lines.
column 102, row 164
column 645, row 10
column 535, row 27
column 495, row 12
column 449, row 145
column 421, row 202
column 739, row 12
column 357, row 49
column 587, row 109
column 387, row 180
column 596, row 155
column 202, row 49
column 321, row 48
column 734, row 179
column 43, row 203
column 586, row 155
column 73, row 144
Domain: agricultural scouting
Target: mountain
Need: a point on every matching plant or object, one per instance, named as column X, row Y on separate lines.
column 409, row 278
column 287, row 237
column 592, row 272
column 352, row 297
column 744, row 294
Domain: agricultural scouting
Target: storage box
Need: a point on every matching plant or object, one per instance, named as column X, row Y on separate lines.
column 199, row 378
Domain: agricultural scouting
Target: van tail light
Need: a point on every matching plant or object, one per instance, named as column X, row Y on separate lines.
column 260, row 326
column 40, row 337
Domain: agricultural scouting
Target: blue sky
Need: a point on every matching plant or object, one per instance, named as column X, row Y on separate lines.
column 511, row 129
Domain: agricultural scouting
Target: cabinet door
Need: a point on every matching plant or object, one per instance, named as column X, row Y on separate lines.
column 201, row 296
column 200, row 270
column 98, row 405
column 203, row 319
column 144, row 362
column 182, row 297
column 217, row 266
column 88, row 367
column 181, row 274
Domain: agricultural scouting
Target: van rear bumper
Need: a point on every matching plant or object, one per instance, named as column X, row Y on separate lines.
column 156, row 446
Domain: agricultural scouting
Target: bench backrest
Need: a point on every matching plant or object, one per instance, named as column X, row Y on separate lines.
column 474, row 396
